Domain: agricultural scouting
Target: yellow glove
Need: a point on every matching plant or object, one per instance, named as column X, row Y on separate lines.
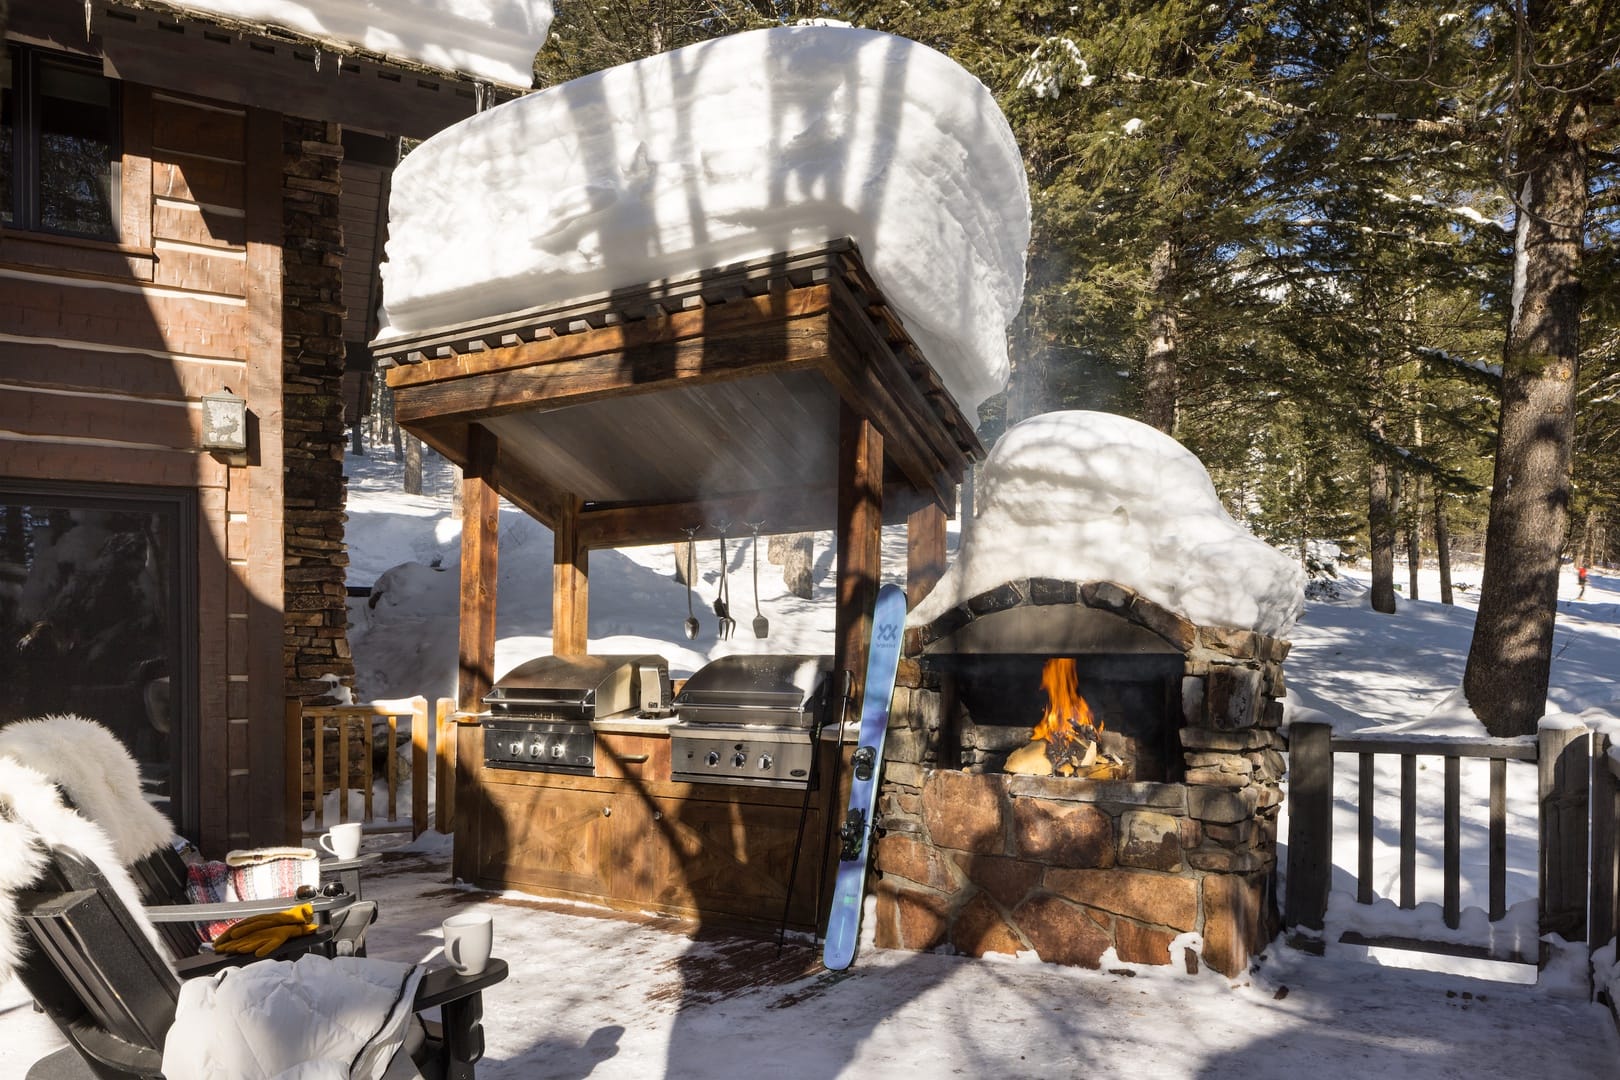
column 262, row 943
column 301, row 915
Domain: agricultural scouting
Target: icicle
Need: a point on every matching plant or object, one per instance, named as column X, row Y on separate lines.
column 317, row 61
column 87, row 20
column 480, row 96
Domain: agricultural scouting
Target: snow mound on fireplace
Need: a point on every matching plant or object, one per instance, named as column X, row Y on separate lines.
column 765, row 142
column 1089, row 496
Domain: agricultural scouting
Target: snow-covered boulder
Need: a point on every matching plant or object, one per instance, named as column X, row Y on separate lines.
column 764, row 142
column 487, row 39
column 1089, row 496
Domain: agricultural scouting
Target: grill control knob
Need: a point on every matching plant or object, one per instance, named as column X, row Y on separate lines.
column 765, row 763
column 556, row 750
column 739, row 759
column 713, row 759
column 536, row 748
column 517, row 748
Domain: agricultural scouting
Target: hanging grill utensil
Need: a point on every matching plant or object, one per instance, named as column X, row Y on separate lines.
column 722, row 599
column 762, row 625
column 691, row 619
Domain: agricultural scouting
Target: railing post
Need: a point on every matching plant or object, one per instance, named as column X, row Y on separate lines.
column 1601, row 923
column 1564, row 795
column 419, row 765
column 444, row 745
column 1310, row 823
column 294, row 723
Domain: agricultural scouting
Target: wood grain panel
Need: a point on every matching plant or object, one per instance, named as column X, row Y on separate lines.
column 135, row 374
column 123, row 318
column 191, row 129
column 552, row 839
column 190, row 225
column 224, row 273
column 135, row 171
column 37, row 252
column 190, row 179
column 95, row 464
column 114, row 419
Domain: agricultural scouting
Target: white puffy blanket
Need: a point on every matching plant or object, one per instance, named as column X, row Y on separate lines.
column 312, row 1019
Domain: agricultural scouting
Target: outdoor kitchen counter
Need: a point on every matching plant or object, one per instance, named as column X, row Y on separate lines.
column 631, row 838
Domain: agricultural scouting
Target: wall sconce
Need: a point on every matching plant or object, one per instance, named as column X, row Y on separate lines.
column 224, row 422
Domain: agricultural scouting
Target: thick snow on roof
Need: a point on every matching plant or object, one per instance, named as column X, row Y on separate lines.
column 1086, row 496
column 764, row 142
column 488, row 39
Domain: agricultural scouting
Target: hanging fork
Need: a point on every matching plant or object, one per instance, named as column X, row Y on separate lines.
column 722, row 600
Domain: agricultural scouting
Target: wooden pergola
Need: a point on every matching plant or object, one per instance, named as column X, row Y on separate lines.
column 782, row 391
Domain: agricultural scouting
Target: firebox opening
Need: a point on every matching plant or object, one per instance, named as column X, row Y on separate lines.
column 1135, row 696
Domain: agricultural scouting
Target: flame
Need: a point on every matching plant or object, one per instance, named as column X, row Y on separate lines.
column 1066, row 711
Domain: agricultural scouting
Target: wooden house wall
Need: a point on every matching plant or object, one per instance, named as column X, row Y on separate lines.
column 107, row 349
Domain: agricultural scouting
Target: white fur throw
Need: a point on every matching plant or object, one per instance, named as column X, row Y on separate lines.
column 32, row 816
column 91, row 765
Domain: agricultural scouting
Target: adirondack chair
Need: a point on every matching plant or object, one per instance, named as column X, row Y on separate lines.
column 95, row 973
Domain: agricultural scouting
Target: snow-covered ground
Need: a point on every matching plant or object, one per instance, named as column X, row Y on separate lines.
column 604, row 995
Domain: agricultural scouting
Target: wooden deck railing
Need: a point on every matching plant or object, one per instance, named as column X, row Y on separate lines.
column 1561, row 756
column 347, row 725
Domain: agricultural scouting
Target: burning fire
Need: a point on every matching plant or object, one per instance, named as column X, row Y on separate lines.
column 1067, row 715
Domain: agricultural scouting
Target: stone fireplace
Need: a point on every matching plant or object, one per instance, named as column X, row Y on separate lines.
column 987, row 861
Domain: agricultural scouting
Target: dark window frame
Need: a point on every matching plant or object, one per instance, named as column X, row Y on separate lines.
column 25, row 156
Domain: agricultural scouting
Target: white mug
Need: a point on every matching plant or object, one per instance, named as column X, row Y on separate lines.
column 342, row 840
column 467, row 941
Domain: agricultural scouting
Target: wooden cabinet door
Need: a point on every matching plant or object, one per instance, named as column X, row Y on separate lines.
column 556, row 839
column 732, row 858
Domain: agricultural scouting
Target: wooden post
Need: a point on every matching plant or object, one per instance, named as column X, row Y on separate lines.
column 925, row 551
column 570, row 585
column 1310, row 823
column 480, row 560
column 1563, row 764
column 1605, row 817
column 444, row 747
column 860, row 541
column 420, row 735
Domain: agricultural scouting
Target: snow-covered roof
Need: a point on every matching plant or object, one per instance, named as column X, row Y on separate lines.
column 487, row 39
column 770, row 141
column 1089, row 496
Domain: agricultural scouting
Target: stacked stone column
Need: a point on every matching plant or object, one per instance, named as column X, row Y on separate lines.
column 1069, row 869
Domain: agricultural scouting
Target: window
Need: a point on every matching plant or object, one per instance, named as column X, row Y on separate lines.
column 97, row 603
column 58, row 146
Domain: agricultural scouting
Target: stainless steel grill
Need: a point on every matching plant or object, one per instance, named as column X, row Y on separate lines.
column 750, row 719
column 540, row 712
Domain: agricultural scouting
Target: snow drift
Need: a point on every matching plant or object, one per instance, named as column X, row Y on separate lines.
column 1086, row 496
column 763, row 142
column 489, row 39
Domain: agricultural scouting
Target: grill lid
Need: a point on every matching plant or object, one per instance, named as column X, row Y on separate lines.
column 584, row 686
column 749, row 689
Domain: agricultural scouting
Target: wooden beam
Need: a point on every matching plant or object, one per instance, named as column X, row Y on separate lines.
column 859, row 540
column 811, row 508
column 925, row 551
column 570, row 586
column 480, row 561
column 715, row 356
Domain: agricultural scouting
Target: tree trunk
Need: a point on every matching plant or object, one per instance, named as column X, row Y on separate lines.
column 413, row 465
column 1160, row 387
column 1414, row 536
column 1511, row 652
column 1442, row 545
column 1381, row 536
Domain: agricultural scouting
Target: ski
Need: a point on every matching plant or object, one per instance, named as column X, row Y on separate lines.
column 855, row 833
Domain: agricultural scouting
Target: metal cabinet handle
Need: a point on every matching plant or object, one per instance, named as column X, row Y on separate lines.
column 607, row 811
column 634, row 759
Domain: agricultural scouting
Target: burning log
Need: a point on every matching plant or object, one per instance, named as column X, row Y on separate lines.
column 1064, row 743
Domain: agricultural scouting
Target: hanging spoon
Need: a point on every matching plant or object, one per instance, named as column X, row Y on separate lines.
column 762, row 625
column 691, row 619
